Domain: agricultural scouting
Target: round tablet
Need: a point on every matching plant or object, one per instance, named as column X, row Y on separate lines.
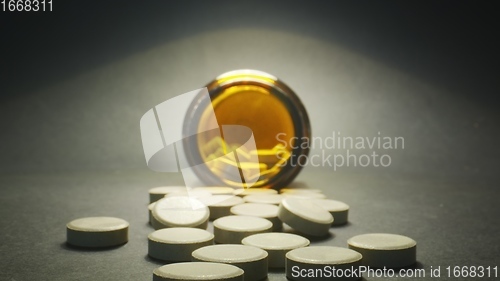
column 300, row 190
column 190, row 193
column 157, row 193
column 216, row 190
column 232, row 229
column 97, row 232
column 150, row 211
column 187, row 271
column 180, row 211
column 276, row 245
column 274, row 199
column 382, row 249
column 304, row 195
column 339, row 210
column 252, row 260
column 316, row 258
column 265, row 211
column 176, row 244
column 305, row 216
column 220, row 205
column 250, row 191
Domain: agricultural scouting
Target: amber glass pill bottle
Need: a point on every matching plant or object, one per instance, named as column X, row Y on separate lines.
column 273, row 113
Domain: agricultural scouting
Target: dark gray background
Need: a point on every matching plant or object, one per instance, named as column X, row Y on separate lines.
column 75, row 82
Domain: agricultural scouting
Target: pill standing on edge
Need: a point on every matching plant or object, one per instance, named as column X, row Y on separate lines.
column 157, row 193
column 97, row 232
column 180, row 211
column 274, row 199
column 220, row 205
column 316, row 258
column 187, row 271
column 176, row 244
column 265, row 211
column 252, row 260
column 276, row 245
column 338, row 209
column 232, row 229
column 305, row 216
column 383, row 249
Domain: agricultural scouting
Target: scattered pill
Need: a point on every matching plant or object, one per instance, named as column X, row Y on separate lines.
column 216, row 190
column 305, row 216
column 300, row 190
column 276, row 245
column 314, row 259
column 304, row 195
column 190, row 193
column 385, row 250
column 250, row 191
column 232, row 229
column 274, row 199
column 220, row 205
column 187, row 271
column 97, row 232
column 338, row 209
column 252, row 260
column 157, row 193
column 265, row 211
column 180, row 211
column 176, row 244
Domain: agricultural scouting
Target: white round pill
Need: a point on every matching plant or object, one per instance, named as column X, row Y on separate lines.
column 338, row 209
column 274, row 199
column 276, row 245
column 316, row 258
column 300, row 190
column 216, row 190
column 265, row 211
column 97, row 232
column 150, row 211
column 305, row 216
column 252, row 260
column 190, row 193
column 187, row 271
column 220, row 205
column 176, row 244
column 180, row 211
column 382, row 249
column 304, row 195
column 232, row 229
column 250, row 191
column 157, row 193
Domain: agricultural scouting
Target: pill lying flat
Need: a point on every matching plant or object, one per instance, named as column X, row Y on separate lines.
column 299, row 190
column 232, row 229
column 250, row 191
column 301, row 262
column 276, row 245
column 176, row 244
column 338, row 209
column 382, row 249
column 216, row 190
column 190, row 193
column 274, row 199
column 180, row 211
column 304, row 195
column 188, row 271
column 252, row 260
column 157, row 193
column 265, row 211
column 220, row 205
column 305, row 216
column 97, row 232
